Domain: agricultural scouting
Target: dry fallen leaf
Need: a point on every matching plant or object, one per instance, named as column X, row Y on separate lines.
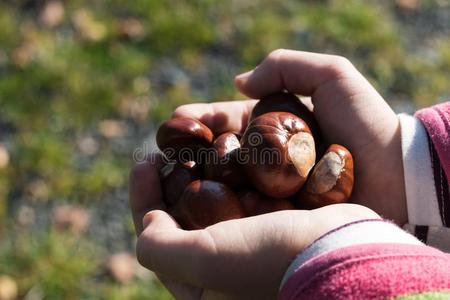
column 25, row 216
column 122, row 267
column 4, row 157
column 135, row 108
column 407, row 5
column 112, row 128
column 8, row 288
column 131, row 28
column 70, row 217
column 53, row 14
column 88, row 145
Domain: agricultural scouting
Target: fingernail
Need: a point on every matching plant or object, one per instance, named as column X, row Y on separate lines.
column 147, row 219
column 242, row 78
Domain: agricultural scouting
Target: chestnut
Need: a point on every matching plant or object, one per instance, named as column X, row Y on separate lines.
column 181, row 138
column 331, row 181
column 206, row 202
column 278, row 152
column 223, row 166
column 287, row 102
column 175, row 177
column 255, row 203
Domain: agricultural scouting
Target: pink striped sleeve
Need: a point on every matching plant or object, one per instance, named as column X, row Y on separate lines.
column 371, row 271
column 436, row 120
column 367, row 259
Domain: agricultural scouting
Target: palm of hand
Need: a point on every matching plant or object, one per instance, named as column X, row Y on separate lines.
column 238, row 259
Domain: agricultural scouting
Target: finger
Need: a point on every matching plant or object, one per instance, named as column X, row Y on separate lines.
column 219, row 116
column 296, row 71
column 341, row 96
column 145, row 189
column 166, row 249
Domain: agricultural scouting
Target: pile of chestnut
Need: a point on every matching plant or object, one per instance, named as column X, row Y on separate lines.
column 280, row 162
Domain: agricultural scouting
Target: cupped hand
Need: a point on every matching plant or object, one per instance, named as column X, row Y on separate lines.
column 348, row 109
column 243, row 257
column 237, row 259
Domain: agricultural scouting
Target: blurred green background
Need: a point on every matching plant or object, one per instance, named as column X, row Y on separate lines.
column 84, row 83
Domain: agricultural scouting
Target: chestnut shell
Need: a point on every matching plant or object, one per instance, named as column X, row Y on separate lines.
column 331, row 181
column 175, row 178
column 267, row 159
column 255, row 203
column 225, row 167
column 185, row 134
column 206, row 202
column 287, row 102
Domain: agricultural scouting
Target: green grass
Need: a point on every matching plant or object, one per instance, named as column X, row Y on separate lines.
column 64, row 266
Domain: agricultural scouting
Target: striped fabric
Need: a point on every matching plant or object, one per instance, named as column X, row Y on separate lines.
column 426, row 296
column 374, row 271
column 436, row 120
column 421, row 195
column 441, row 185
column 356, row 233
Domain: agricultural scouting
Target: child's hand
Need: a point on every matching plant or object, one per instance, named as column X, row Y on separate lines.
column 243, row 259
column 348, row 109
column 238, row 259
column 251, row 254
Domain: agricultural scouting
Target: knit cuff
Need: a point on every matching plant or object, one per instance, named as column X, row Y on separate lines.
column 372, row 231
column 421, row 199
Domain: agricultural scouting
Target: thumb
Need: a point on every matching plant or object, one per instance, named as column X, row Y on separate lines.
column 159, row 220
column 165, row 248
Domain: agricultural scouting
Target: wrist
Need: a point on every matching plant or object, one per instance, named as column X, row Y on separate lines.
column 394, row 203
column 388, row 198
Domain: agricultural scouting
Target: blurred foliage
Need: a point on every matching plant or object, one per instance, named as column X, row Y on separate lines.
column 54, row 265
column 82, row 83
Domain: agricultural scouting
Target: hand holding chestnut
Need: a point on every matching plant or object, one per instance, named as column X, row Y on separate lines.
column 253, row 253
column 274, row 156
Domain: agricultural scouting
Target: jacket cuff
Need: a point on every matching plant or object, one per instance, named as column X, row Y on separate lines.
column 421, row 197
column 372, row 231
column 436, row 120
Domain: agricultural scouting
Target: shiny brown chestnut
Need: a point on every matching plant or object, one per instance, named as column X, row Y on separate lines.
column 255, row 203
column 223, row 165
column 287, row 102
column 206, row 202
column 180, row 138
column 175, row 177
column 331, row 181
column 278, row 152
